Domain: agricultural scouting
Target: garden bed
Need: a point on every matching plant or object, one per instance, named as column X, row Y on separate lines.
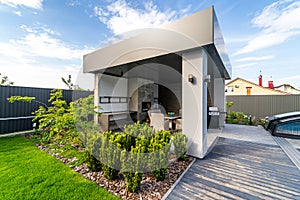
column 150, row 187
column 117, row 161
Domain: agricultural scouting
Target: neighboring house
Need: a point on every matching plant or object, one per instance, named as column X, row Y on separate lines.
column 241, row 86
column 181, row 66
column 287, row 88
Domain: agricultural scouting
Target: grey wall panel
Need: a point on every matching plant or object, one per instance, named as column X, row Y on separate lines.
column 22, row 109
column 262, row 106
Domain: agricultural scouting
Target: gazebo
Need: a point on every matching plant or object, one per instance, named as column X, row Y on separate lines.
column 181, row 66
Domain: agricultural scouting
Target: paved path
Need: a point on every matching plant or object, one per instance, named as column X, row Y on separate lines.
column 248, row 133
column 243, row 165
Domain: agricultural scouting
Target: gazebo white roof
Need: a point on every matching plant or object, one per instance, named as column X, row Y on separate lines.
column 197, row 30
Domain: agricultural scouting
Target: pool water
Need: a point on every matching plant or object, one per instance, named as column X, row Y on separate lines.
column 289, row 128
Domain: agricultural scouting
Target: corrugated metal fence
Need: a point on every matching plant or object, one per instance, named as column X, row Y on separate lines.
column 261, row 106
column 18, row 116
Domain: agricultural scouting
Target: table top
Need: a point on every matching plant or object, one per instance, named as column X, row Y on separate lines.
column 173, row 117
column 118, row 112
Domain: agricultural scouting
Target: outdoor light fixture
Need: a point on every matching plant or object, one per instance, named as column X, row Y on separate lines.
column 191, row 78
column 207, row 79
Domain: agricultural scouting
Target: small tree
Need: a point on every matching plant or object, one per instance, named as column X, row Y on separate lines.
column 229, row 104
column 160, row 151
column 56, row 120
column 179, row 140
column 5, row 81
column 68, row 82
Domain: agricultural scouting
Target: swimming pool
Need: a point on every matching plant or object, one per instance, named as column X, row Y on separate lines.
column 290, row 128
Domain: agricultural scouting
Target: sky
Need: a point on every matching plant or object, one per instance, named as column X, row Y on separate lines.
column 44, row 40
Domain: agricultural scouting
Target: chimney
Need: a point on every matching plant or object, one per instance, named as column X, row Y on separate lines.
column 260, row 80
column 271, row 85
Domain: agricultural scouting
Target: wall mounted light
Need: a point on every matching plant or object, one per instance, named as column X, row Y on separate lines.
column 191, row 78
column 207, row 79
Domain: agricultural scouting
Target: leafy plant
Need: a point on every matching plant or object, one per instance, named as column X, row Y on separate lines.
column 133, row 131
column 91, row 154
column 179, row 141
column 262, row 122
column 92, row 163
column 110, row 154
column 84, row 111
column 134, row 142
column 56, row 122
column 229, row 104
column 133, row 181
column 68, row 82
column 160, row 149
column 13, row 99
column 5, row 81
column 242, row 119
column 133, row 164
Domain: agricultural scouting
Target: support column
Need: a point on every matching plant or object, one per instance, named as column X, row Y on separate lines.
column 194, row 102
column 219, row 95
column 96, row 96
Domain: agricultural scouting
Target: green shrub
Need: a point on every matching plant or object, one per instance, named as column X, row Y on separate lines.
column 179, row 141
column 133, row 131
column 133, row 181
column 109, row 172
column 83, row 112
column 92, row 163
column 239, row 115
column 56, row 121
column 235, row 121
column 91, row 154
column 241, row 118
column 110, row 152
column 262, row 122
column 229, row 105
column 229, row 120
column 160, row 150
column 134, row 156
column 231, row 115
column 133, row 164
column 132, row 151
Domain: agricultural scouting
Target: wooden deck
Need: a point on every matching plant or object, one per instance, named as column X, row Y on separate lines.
column 237, row 169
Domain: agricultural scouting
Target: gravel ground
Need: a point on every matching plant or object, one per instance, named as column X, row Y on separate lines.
column 150, row 188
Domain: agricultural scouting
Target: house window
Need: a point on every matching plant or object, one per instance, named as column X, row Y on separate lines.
column 248, row 90
column 230, row 89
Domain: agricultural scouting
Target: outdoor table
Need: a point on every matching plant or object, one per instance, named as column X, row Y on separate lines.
column 172, row 122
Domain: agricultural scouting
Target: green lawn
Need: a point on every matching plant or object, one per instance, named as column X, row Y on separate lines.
column 29, row 173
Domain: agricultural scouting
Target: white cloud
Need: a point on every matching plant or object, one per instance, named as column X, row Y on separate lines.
column 36, row 4
column 247, row 59
column 39, row 28
column 38, row 74
column 121, row 17
column 245, row 65
column 18, row 13
column 292, row 80
column 236, row 40
column 39, row 58
column 73, row 3
column 40, row 42
column 278, row 22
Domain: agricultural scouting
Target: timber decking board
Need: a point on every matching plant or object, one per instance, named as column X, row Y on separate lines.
column 237, row 169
